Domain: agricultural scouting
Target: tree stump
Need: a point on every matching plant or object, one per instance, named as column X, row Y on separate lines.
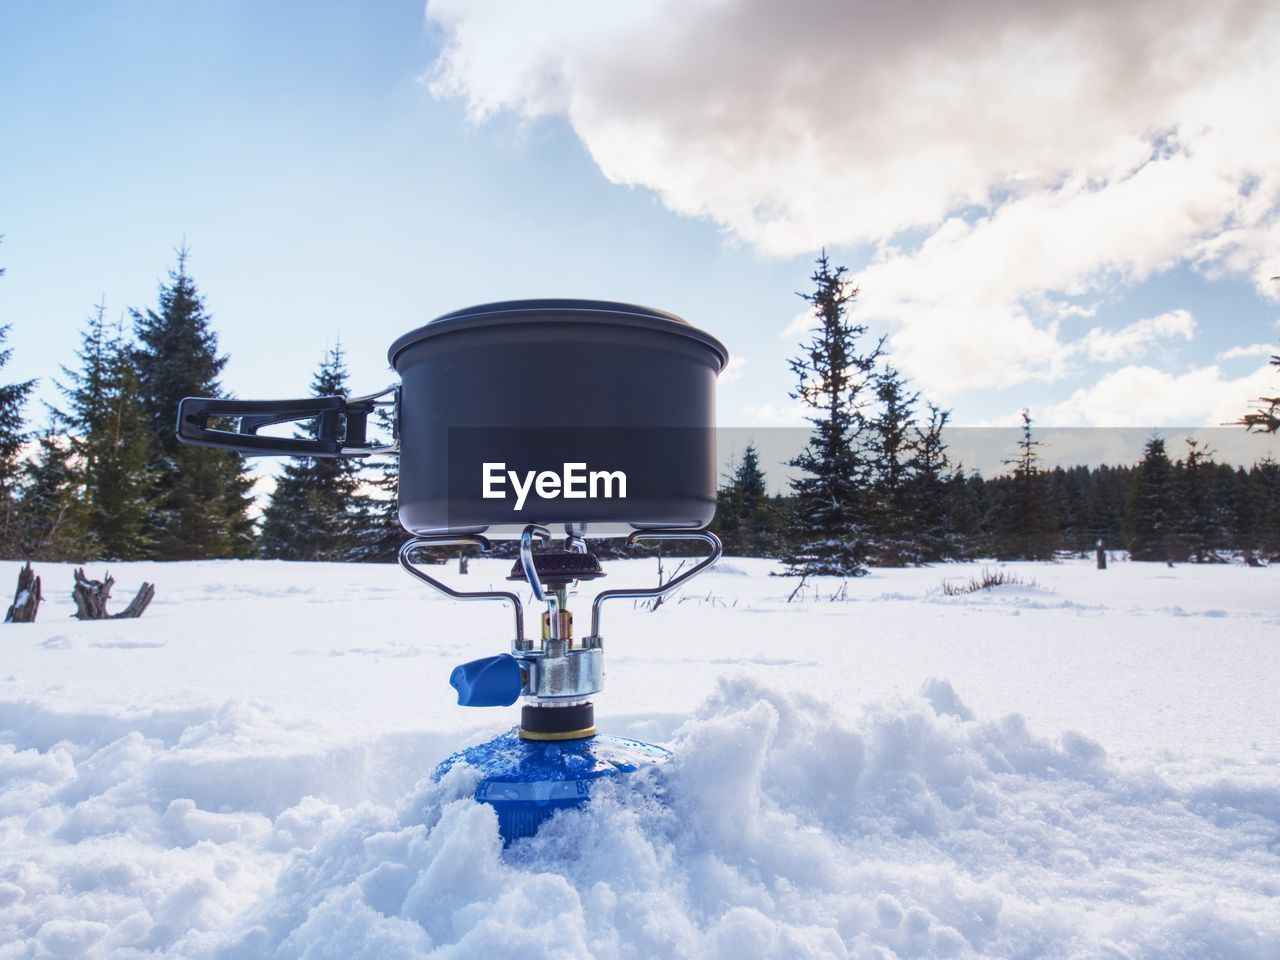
column 1101, row 556
column 138, row 604
column 26, row 601
column 91, row 598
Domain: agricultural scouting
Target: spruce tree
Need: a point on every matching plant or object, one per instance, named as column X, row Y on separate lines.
column 1108, row 495
column 13, row 398
column 378, row 535
column 1266, row 417
column 1202, row 510
column 754, row 505
column 54, row 518
column 200, row 497
column 744, row 512
column 931, row 473
column 830, row 533
column 1069, row 494
column 312, row 511
column 1242, row 511
column 111, row 441
column 1025, row 526
column 1264, row 480
column 969, row 515
column 1152, row 513
column 894, row 517
column 728, row 520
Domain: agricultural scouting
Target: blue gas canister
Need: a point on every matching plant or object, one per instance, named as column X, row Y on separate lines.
column 527, row 781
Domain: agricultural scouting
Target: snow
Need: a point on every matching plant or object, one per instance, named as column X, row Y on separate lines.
column 1088, row 767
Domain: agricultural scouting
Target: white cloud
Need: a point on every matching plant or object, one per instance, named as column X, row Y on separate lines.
column 1047, row 154
column 1137, row 338
column 820, row 121
column 1065, row 310
column 803, row 322
column 733, row 371
column 1001, row 280
column 1252, row 350
column 772, row 415
column 1135, row 396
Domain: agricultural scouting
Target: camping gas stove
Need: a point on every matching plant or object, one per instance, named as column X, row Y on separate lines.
column 548, row 762
column 626, row 389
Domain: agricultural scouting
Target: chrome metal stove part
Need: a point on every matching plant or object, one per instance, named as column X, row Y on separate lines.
column 556, row 668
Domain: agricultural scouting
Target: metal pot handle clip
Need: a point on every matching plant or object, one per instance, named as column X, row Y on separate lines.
column 341, row 425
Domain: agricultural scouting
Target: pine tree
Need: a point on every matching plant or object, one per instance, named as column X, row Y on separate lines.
column 378, row 534
column 1069, row 496
column 744, row 512
column 111, row 442
column 121, row 485
column 54, row 518
column 13, row 398
column 727, row 523
column 894, row 517
column 1202, row 510
column 931, row 473
column 1266, row 417
column 830, row 532
column 968, row 515
column 1025, row 527
column 1152, row 515
column 1264, row 480
column 312, row 511
column 755, row 506
column 1108, row 495
column 1242, row 511
column 200, row 496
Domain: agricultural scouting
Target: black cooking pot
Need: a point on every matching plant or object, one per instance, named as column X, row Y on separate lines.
column 593, row 415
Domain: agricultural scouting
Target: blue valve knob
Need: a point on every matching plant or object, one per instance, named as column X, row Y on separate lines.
column 488, row 682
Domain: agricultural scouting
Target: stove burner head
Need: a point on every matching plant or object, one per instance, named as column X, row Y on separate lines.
column 560, row 568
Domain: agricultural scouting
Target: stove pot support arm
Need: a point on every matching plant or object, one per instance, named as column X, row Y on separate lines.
column 662, row 589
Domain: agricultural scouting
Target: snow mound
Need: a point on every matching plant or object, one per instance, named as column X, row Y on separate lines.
column 239, row 773
column 944, row 699
column 781, row 830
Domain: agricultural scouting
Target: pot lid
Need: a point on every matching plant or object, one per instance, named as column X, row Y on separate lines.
column 572, row 311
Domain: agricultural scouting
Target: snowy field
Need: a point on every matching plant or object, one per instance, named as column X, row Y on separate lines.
column 1089, row 767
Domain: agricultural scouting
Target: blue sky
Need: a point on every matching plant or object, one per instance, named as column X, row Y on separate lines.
column 331, row 184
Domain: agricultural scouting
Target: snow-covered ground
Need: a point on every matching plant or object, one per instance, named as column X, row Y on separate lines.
column 1089, row 767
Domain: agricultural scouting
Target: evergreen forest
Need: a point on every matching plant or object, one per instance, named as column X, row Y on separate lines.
column 102, row 476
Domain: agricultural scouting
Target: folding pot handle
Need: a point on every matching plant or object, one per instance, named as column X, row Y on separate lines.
column 341, row 425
